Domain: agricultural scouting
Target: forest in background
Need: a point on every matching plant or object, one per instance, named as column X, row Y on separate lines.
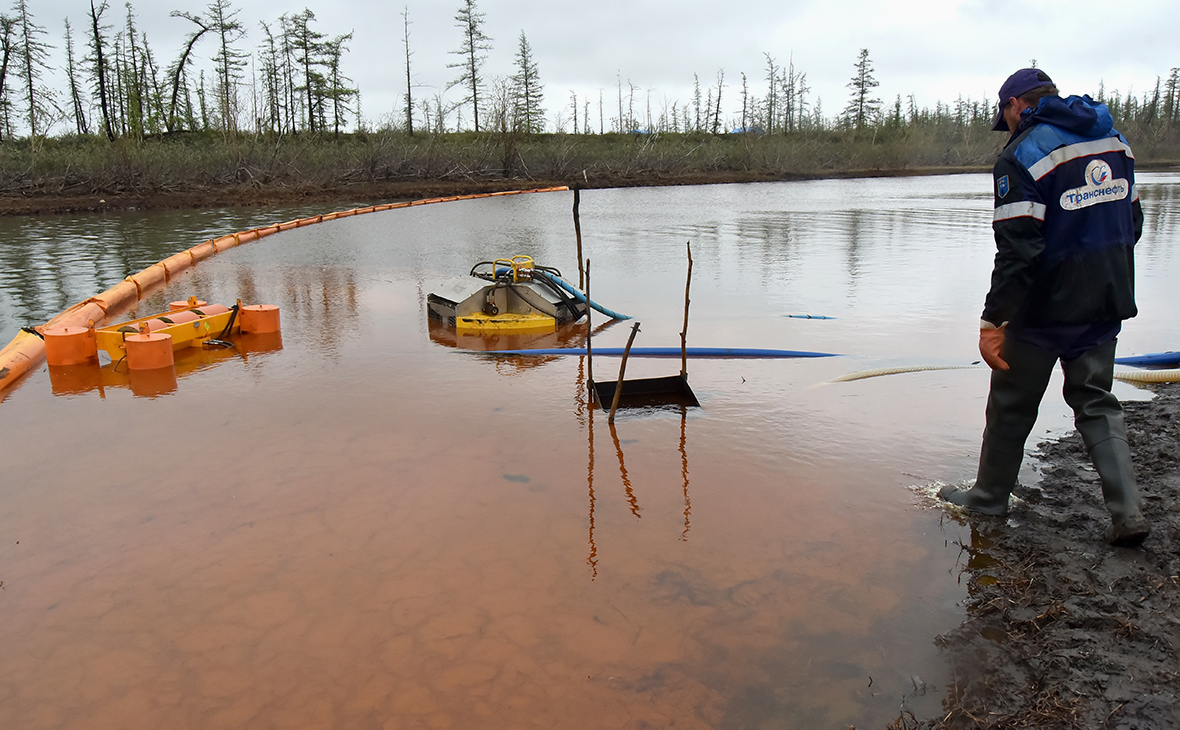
column 282, row 119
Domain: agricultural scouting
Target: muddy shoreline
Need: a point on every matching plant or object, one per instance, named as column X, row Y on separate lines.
column 346, row 195
column 1063, row 631
column 82, row 198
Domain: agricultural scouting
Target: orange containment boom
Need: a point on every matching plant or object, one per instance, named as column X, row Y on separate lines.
column 27, row 349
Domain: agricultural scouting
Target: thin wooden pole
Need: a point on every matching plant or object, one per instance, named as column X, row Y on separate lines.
column 578, row 233
column 684, row 332
column 614, row 406
column 589, row 336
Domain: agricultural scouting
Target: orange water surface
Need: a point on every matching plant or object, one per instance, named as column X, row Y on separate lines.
column 364, row 523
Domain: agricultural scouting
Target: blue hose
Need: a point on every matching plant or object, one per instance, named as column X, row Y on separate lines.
column 1154, row 360
column 573, row 291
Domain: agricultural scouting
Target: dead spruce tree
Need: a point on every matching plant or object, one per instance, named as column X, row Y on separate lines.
column 473, row 53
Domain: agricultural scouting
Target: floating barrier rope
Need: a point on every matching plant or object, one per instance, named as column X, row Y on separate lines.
column 27, row 350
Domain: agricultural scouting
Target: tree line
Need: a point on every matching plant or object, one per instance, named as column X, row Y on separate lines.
column 117, row 86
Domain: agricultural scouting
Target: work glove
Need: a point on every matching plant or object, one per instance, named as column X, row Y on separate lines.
column 991, row 344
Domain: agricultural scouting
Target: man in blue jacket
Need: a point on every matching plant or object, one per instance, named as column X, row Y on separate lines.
column 1066, row 221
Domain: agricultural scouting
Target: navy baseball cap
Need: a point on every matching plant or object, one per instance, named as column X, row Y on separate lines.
column 1017, row 85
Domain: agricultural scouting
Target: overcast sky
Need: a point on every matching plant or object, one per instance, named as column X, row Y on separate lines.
column 935, row 50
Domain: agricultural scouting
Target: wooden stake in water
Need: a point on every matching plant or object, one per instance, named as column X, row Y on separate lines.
column 578, row 233
column 684, row 332
column 589, row 336
column 614, row 406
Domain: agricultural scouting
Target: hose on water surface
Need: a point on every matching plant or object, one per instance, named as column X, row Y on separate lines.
column 895, row 371
column 1127, row 376
column 693, row 352
column 1148, row 376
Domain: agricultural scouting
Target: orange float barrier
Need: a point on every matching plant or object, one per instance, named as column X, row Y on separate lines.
column 150, row 326
column 120, row 295
column 225, row 243
column 149, row 351
column 181, row 305
column 182, row 317
column 209, row 310
column 70, row 345
column 202, row 251
column 27, row 348
column 18, row 356
column 79, row 315
column 176, row 263
column 150, row 278
column 259, row 319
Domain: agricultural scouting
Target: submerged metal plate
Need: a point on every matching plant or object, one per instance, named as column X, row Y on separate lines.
column 647, row 392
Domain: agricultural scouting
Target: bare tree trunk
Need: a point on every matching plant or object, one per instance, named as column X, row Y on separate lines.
column 100, row 66
column 409, row 83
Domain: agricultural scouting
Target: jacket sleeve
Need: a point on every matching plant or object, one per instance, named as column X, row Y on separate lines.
column 1137, row 217
column 1017, row 223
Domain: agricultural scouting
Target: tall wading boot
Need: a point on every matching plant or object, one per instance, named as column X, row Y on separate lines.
column 1012, row 407
column 999, row 465
column 1112, row 461
column 1098, row 416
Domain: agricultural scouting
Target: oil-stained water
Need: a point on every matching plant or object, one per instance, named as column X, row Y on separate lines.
column 362, row 524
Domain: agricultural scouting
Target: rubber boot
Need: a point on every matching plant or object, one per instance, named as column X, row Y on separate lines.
column 1112, row 461
column 999, row 465
column 1012, row 407
column 1098, row 416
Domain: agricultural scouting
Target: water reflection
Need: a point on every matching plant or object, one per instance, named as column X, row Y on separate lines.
column 627, row 488
column 684, row 469
column 152, row 383
column 1161, row 208
column 585, row 412
column 570, row 336
column 329, row 297
column 854, row 234
column 396, row 535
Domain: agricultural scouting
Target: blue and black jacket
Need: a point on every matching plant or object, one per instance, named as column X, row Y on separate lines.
column 1067, row 217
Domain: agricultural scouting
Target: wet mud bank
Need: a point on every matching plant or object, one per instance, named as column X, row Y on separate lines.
column 1063, row 631
column 345, row 195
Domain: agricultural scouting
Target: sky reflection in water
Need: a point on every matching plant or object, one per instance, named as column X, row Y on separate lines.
column 364, row 525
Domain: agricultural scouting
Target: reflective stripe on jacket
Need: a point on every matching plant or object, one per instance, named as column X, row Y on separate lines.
column 1066, row 220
